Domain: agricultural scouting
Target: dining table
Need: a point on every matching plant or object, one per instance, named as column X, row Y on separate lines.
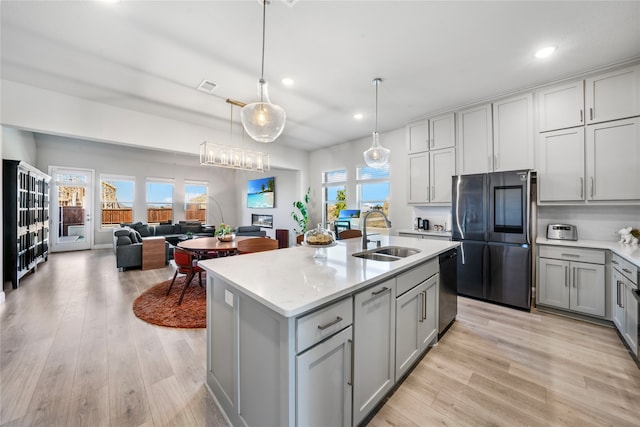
column 208, row 247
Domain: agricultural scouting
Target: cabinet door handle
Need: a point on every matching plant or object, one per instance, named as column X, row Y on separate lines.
column 591, row 184
column 582, row 188
column 495, row 162
column 424, row 306
column 618, row 293
column 574, row 277
column 621, row 294
column 421, row 308
column 591, row 113
column 626, row 270
column 323, row 327
column 581, row 116
column 571, row 255
column 613, row 261
column 350, row 381
column 378, row 292
column 566, row 276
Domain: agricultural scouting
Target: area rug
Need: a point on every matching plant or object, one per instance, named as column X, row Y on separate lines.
column 155, row 306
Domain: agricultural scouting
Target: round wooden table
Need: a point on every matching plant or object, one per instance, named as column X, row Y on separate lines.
column 205, row 245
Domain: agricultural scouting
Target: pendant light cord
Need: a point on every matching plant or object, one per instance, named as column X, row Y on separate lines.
column 377, row 83
column 264, row 25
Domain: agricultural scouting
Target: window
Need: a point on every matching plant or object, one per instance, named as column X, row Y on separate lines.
column 195, row 201
column 373, row 193
column 159, row 201
column 116, row 199
column 335, row 193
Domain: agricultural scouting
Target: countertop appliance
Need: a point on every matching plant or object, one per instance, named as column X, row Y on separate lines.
column 448, row 297
column 562, row 232
column 491, row 218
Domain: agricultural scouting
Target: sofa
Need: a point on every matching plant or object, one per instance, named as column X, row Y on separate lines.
column 250, row 230
column 173, row 233
column 127, row 240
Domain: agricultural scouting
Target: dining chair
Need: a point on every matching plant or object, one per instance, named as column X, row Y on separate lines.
column 186, row 263
column 259, row 244
column 349, row 234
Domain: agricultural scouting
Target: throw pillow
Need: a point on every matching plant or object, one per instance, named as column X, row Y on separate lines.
column 143, row 229
column 135, row 237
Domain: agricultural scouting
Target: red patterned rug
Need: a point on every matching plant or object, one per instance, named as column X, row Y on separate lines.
column 155, row 306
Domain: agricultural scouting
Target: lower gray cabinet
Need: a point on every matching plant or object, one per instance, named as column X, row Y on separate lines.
column 416, row 323
column 324, row 382
column 374, row 352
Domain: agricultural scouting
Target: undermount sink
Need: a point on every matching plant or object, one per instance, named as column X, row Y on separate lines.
column 387, row 253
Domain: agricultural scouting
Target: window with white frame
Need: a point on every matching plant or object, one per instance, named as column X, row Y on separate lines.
column 334, row 185
column 373, row 193
column 116, row 199
column 195, row 201
column 159, row 200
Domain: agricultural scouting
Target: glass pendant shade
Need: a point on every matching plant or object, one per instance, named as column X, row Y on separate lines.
column 376, row 156
column 263, row 121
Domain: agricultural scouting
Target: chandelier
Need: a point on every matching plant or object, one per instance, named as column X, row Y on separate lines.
column 262, row 120
column 376, row 156
column 228, row 156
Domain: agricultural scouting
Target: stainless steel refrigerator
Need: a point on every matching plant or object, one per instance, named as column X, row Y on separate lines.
column 492, row 220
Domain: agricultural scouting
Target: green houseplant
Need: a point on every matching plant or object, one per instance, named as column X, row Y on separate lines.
column 301, row 215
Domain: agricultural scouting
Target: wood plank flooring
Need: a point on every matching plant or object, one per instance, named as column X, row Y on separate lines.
column 72, row 353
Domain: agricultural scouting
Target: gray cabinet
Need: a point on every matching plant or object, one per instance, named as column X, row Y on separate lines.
column 416, row 323
column 572, row 279
column 561, row 107
column 324, row 382
column 374, row 352
column 475, row 139
column 513, row 133
column 625, row 306
column 561, row 166
column 613, row 95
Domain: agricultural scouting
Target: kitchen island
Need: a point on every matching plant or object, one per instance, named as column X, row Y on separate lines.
column 298, row 340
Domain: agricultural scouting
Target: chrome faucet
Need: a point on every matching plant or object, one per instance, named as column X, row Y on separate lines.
column 365, row 241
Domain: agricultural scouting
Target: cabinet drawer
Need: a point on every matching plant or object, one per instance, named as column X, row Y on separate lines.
column 627, row 269
column 316, row 326
column 416, row 276
column 593, row 256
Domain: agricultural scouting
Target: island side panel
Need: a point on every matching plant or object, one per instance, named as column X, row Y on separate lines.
column 250, row 355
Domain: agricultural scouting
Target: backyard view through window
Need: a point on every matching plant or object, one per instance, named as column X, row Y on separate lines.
column 195, row 201
column 116, row 196
column 159, row 201
column 373, row 189
column 335, row 193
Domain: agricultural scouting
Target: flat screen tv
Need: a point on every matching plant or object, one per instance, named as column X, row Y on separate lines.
column 265, row 221
column 261, row 193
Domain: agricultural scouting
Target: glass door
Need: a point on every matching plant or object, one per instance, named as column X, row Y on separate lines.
column 71, row 208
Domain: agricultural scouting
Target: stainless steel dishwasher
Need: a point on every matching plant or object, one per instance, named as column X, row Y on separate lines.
column 448, row 301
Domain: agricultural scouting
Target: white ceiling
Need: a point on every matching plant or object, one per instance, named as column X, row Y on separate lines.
column 150, row 56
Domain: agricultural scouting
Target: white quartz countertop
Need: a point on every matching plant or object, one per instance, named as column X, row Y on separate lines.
column 629, row 252
column 291, row 281
column 427, row 232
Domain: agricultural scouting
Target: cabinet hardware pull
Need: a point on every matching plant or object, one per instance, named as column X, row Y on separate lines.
column 574, row 277
column 495, row 162
column 323, row 327
column 591, row 182
column 378, row 292
column 566, row 276
column 613, row 261
column 581, row 119
column 591, row 113
column 421, row 308
column 424, row 306
column 571, row 255
column 626, row 270
column 581, row 188
column 621, row 294
column 618, row 293
column 350, row 382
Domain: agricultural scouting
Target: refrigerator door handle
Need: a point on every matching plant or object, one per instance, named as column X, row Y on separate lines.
column 486, row 267
column 528, row 208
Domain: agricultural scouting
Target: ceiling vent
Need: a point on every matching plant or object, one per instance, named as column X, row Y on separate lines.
column 207, row 86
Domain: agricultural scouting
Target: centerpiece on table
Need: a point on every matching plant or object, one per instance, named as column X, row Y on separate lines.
column 225, row 233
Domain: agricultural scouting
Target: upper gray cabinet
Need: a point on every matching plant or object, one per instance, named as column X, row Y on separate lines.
column 513, row 133
column 418, row 136
column 431, row 134
column 609, row 96
column 475, row 135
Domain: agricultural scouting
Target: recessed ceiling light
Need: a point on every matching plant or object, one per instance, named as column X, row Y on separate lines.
column 545, row 52
column 358, row 116
column 288, row 81
column 206, row 86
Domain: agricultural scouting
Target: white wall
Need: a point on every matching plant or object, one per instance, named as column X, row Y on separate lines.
column 18, row 145
column 140, row 163
column 349, row 156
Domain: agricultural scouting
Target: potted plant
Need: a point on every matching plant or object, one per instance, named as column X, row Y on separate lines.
column 301, row 215
column 225, row 233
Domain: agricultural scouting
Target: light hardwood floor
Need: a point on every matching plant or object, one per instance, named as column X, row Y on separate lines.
column 72, row 353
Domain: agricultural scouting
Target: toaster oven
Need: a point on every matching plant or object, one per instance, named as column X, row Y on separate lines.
column 562, row 232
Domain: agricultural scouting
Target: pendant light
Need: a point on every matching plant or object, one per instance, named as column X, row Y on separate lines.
column 263, row 121
column 376, row 156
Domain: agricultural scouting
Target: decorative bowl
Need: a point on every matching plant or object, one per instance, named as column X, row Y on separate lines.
column 227, row 237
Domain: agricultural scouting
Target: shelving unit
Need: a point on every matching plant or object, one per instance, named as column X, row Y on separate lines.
column 25, row 195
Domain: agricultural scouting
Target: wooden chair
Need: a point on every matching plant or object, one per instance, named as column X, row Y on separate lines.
column 186, row 263
column 349, row 234
column 259, row 244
